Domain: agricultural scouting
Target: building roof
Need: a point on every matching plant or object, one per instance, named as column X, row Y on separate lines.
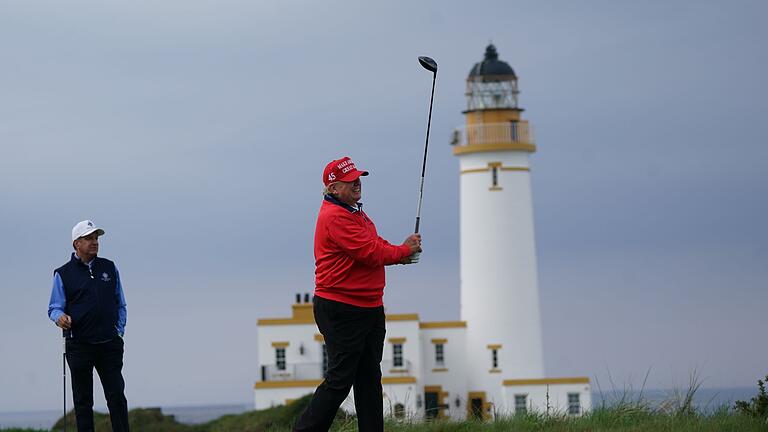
column 491, row 66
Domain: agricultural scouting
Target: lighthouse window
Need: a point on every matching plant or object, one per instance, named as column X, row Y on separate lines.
column 495, row 358
column 280, row 358
column 494, row 168
column 397, row 355
column 439, row 354
column 574, row 405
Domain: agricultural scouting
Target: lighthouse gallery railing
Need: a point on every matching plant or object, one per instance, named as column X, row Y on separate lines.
column 493, row 133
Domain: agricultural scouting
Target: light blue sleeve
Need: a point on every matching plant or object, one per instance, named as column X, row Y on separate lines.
column 122, row 311
column 58, row 301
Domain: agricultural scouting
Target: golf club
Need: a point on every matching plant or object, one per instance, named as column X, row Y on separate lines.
column 64, row 373
column 430, row 65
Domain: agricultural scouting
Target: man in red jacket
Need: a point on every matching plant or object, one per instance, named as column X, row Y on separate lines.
column 349, row 286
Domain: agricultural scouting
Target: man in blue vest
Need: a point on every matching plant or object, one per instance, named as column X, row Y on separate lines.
column 87, row 302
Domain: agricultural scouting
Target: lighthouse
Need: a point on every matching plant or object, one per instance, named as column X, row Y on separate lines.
column 499, row 286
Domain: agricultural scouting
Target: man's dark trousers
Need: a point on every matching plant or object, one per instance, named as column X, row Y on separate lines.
column 354, row 340
column 107, row 359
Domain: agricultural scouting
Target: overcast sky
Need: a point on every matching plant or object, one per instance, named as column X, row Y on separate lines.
column 195, row 134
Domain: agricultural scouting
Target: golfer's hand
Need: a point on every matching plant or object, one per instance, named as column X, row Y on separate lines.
column 414, row 244
column 64, row 321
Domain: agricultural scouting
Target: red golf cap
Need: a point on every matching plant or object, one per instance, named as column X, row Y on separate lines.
column 341, row 170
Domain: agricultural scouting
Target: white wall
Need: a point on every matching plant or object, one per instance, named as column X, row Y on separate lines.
column 411, row 348
column 297, row 335
column 558, row 397
column 453, row 381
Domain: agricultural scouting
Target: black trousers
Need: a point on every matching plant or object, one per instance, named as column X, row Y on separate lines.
column 107, row 359
column 354, row 339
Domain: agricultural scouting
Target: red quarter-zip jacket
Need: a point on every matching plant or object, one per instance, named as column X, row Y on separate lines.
column 350, row 256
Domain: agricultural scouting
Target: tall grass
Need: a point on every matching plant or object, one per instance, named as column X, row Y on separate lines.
column 629, row 411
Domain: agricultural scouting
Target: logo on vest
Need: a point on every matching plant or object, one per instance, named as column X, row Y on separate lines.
column 105, row 277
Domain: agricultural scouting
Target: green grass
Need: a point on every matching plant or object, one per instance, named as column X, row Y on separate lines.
column 620, row 417
column 624, row 415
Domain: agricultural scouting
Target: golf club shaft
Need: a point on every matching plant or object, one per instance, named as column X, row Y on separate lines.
column 64, row 377
column 426, row 147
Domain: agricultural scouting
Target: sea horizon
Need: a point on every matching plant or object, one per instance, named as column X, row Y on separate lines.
column 705, row 399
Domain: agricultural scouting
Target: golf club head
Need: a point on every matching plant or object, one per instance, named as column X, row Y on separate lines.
column 428, row 63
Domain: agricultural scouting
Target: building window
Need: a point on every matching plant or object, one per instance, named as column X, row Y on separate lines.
column 280, row 358
column 574, row 405
column 325, row 361
column 494, row 358
column 397, row 355
column 521, row 403
column 439, row 354
column 399, row 411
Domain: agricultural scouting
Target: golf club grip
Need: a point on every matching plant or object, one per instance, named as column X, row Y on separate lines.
column 418, row 219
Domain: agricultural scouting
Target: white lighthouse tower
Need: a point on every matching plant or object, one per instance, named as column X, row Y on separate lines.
column 499, row 287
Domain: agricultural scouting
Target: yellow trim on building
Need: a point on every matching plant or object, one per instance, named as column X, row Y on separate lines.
column 283, row 321
column 315, row 383
column 473, row 170
column 443, row 324
column 493, row 115
column 397, row 340
column 319, row 337
column 440, row 370
column 302, row 314
column 482, row 170
column 399, row 380
column 494, row 346
column 546, row 381
column 286, row 384
column 439, row 341
column 399, row 371
column 484, row 148
column 402, row 317
column 494, row 371
column 494, row 188
column 280, row 344
column 303, row 311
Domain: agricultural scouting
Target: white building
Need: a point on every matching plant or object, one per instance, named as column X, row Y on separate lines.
column 491, row 361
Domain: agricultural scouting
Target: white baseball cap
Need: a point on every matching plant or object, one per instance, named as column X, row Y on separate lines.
column 84, row 228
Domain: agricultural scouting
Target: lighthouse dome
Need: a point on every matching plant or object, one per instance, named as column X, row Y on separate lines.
column 491, row 67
